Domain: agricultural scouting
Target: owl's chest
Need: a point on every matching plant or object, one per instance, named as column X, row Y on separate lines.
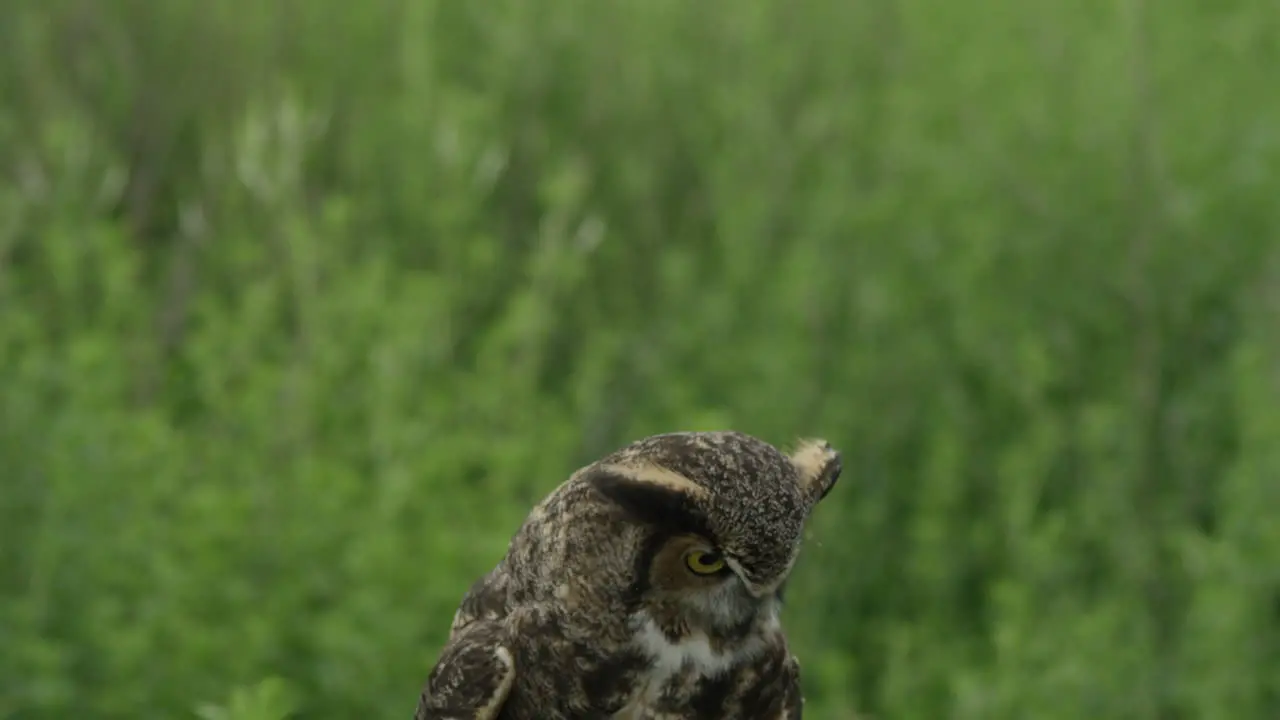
column 683, row 680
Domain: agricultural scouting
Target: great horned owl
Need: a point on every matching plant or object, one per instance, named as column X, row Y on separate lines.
column 647, row 586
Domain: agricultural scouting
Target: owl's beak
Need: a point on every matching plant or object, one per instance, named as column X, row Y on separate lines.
column 755, row 590
column 763, row 591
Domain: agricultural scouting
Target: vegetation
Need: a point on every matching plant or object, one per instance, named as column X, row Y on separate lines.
column 303, row 304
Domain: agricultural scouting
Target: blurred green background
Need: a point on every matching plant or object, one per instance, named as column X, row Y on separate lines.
column 304, row 303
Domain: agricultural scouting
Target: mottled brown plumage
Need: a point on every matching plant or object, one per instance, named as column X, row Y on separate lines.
column 646, row 587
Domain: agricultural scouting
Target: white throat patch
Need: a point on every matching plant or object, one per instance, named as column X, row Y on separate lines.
column 690, row 656
column 672, row 657
column 694, row 653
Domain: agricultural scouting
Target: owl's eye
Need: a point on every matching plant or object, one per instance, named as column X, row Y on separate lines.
column 704, row 563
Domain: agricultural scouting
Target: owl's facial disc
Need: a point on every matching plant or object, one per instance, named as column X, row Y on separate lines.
column 687, row 563
column 687, row 571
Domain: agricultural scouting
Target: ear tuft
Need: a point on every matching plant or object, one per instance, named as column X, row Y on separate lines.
column 819, row 466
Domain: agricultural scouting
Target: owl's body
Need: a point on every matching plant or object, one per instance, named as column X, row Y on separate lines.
column 646, row 587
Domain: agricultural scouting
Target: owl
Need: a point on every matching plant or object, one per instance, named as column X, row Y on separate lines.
column 646, row 587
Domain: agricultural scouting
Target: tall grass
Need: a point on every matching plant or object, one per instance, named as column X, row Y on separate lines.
column 302, row 305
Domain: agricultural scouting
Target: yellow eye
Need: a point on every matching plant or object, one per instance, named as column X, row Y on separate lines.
column 704, row 563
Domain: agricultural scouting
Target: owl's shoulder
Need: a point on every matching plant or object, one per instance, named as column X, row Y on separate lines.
column 473, row 676
column 487, row 599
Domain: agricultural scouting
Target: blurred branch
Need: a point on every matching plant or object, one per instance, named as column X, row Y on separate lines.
column 1143, row 203
column 1154, row 576
column 180, row 288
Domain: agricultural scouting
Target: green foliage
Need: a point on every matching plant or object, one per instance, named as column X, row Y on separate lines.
column 271, row 699
column 302, row 305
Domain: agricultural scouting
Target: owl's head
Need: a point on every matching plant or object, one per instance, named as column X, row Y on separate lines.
column 726, row 513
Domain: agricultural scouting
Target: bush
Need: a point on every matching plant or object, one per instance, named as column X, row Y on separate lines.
column 305, row 304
